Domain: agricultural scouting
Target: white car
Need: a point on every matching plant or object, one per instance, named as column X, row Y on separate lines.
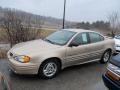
column 117, row 43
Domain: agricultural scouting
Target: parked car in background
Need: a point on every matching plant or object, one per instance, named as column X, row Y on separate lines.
column 61, row 49
column 112, row 75
column 4, row 85
column 117, row 43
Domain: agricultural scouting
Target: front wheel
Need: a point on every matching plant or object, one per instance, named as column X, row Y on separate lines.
column 49, row 69
column 106, row 56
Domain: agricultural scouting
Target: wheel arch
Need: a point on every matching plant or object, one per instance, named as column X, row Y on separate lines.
column 108, row 49
column 52, row 58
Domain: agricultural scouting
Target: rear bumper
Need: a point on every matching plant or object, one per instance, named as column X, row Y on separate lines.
column 22, row 68
column 112, row 85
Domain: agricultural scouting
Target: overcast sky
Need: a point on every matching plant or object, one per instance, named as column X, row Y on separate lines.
column 76, row 10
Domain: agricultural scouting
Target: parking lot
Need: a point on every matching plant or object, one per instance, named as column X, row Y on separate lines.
column 82, row 77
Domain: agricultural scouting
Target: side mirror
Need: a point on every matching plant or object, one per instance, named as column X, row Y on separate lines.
column 73, row 44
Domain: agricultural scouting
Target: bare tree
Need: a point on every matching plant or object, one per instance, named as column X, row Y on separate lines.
column 16, row 30
column 114, row 21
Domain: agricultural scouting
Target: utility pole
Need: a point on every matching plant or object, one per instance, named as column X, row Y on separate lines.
column 64, row 14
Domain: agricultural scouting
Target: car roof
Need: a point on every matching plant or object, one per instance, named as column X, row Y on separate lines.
column 79, row 30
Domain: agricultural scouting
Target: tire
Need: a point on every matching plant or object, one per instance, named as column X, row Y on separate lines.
column 49, row 69
column 106, row 57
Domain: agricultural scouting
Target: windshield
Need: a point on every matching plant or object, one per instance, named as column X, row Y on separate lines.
column 60, row 37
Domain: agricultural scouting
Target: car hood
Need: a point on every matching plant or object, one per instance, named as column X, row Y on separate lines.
column 33, row 47
column 116, row 60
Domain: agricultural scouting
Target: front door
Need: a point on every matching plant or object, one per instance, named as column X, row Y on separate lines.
column 78, row 53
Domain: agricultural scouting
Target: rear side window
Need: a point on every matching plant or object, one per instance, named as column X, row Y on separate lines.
column 94, row 37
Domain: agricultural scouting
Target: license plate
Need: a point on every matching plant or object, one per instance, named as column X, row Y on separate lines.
column 112, row 75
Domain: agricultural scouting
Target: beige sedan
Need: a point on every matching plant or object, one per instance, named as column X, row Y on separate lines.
column 61, row 49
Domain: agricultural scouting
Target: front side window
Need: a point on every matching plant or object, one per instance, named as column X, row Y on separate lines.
column 60, row 37
column 80, row 39
column 94, row 37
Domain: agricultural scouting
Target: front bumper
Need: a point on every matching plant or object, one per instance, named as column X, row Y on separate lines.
column 112, row 85
column 23, row 68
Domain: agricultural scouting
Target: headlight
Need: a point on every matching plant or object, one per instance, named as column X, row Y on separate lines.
column 114, row 68
column 23, row 59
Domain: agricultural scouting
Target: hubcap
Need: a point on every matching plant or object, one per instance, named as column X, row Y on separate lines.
column 50, row 69
column 106, row 56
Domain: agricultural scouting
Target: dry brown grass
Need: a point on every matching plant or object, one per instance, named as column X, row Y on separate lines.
column 3, row 54
column 45, row 32
column 3, row 36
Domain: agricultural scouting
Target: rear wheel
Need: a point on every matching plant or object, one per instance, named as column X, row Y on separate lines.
column 49, row 69
column 106, row 56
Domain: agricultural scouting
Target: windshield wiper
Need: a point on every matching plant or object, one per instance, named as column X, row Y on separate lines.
column 49, row 41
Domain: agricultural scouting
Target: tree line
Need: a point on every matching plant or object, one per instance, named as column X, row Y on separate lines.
column 112, row 25
column 97, row 24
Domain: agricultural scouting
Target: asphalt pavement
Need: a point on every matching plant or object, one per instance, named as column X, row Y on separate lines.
column 81, row 77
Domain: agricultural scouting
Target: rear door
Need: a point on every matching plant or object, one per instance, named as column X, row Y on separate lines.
column 96, row 45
